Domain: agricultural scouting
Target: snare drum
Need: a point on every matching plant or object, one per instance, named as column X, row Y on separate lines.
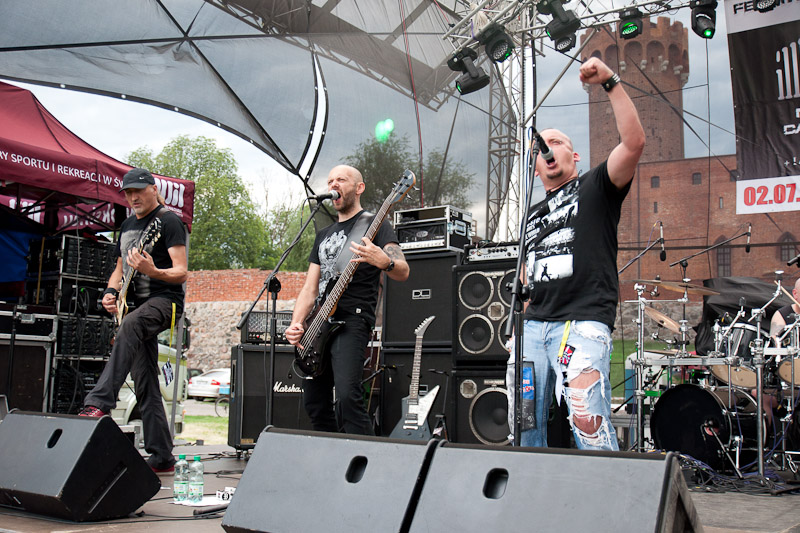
column 744, row 375
column 785, row 371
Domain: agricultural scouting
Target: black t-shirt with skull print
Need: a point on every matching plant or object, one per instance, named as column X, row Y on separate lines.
column 361, row 295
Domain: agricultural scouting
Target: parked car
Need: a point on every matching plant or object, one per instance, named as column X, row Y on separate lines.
column 194, row 372
column 207, row 384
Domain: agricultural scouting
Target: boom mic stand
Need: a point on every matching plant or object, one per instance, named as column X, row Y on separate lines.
column 274, row 286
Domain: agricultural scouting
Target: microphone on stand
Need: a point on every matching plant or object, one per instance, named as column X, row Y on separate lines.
column 747, row 246
column 663, row 251
column 544, row 151
column 332, row 195
column 794, row 261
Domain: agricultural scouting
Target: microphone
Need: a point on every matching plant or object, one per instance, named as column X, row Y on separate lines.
column 332, row 195
column 794, row 260
column 663, row 251
column 544, row 151
column 747, row 246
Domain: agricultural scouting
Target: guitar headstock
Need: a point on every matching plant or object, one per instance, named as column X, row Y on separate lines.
column 150, row 234
column 401, row 188
column 420, row 331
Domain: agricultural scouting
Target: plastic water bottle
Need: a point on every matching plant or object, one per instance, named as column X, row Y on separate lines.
column 196, row 480
column 180, row 485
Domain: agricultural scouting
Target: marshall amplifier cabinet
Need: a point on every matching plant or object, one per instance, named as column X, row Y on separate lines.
column 250, row 395
column 256, row 329
column 433, row 228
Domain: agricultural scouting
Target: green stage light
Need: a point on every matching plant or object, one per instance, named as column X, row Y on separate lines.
column 630, row 23
column 384, row 129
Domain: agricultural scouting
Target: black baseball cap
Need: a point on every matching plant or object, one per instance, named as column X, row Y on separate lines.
column 137, row 178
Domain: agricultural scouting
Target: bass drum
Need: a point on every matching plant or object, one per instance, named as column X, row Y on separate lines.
column 744, row 375
column 686, row 417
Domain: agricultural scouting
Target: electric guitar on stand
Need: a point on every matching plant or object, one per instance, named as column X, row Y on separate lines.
column 309, row 361
column 149, row 236
column 413, row 424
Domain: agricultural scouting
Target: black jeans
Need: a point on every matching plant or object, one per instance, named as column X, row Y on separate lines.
column 344, row 372
column 136, row 351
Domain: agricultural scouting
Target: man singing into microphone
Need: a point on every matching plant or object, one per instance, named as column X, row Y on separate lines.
column 572, row 236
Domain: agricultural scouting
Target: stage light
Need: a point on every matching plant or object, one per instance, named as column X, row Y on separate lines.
column 762, row 6
column 383, row 130
column 562, row 28
column 496, row 42
column 473, row 78
column 630, row 22
column 704, row 17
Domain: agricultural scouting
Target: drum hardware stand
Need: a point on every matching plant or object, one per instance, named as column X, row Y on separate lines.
column 638, row 392
column 709, row 429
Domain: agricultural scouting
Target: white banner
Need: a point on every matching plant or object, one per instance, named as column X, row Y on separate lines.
column 768, row 195
column 741, row 15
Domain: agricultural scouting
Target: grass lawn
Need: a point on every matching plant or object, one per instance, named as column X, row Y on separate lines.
column 209, row 429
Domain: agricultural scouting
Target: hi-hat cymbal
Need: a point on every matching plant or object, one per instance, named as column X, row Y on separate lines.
column 662, row 319
column 679, row 286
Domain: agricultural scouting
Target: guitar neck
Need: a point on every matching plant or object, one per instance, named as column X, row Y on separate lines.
column 413, row 391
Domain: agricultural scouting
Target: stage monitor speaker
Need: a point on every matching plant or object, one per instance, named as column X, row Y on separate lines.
column 351, row 482
column 426, row 292
column 76, row 468
column 483, row 489
column 30, row 374
column 436, row 367
column 249, row 394
column 482, row 302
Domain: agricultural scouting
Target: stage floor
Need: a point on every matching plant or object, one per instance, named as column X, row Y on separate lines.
column 731, row 511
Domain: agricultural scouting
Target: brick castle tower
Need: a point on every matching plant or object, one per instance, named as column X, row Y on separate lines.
column 657, row 60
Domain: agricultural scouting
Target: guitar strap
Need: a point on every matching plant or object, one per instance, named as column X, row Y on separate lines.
column 357, row 232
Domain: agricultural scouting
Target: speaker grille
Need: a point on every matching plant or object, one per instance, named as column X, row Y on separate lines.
column 481, row 407
column 482, row 304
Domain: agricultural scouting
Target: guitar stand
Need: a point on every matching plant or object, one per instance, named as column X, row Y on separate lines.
column 440, row 430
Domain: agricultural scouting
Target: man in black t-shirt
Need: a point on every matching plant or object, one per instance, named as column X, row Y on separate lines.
column 781, row 316
column 161, row 269
column 356, row 307
column 571, row 270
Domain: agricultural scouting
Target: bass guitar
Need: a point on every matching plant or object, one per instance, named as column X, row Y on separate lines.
column 413, row 424
column 319, row 326
column 149, row 236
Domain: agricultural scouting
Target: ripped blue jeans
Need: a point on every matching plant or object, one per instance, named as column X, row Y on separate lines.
column 583, row 381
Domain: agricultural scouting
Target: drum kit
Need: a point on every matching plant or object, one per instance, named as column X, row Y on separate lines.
column 745, row 393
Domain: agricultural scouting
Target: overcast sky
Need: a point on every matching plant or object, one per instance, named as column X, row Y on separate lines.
column 118, row 127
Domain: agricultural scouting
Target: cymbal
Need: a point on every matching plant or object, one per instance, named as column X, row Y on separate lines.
column 679, row 286
column 662, row 319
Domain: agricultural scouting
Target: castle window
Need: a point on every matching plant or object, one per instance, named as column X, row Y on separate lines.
column 655, row 182
column 786, row 250
column 721, row 203
column 697, row 178
column 655, row 207
column 723, row 261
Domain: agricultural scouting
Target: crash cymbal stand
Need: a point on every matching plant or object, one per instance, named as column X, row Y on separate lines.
column 638, row 365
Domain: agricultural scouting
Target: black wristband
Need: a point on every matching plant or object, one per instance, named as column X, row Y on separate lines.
column 390, row 267
column 111, row 290
column 611, row 82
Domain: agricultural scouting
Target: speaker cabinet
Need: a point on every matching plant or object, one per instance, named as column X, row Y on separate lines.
column 398, row 367
column 481, row 407
column 249, row 394
column 354, row 483
column 535, row 489
column 76, row 468
column 482, row 303
column 426, row 292
column 30, row 374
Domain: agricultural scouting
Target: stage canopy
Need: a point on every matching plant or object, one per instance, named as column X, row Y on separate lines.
column 59, row 180
column 306, row 81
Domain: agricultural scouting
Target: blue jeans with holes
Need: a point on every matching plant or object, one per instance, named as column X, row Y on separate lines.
column 590, row 344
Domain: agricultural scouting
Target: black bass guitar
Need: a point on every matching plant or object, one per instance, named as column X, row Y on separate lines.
column 319, row 326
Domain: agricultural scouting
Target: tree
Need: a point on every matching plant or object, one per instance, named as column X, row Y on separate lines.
column 284, row 222
column 227, row 229
column 382, row 163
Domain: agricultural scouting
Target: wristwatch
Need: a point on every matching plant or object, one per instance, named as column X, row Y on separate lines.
column 390, row 267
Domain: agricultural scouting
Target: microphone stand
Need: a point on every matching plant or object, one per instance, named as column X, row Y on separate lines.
column 274, row 286
column 714, row 247
column 519, row 295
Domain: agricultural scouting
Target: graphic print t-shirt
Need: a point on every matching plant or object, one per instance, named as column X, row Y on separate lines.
column 361, row 295
column 571, row 242
column 172, row 234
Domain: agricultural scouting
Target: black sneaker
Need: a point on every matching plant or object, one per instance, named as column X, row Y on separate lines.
column 161, row 468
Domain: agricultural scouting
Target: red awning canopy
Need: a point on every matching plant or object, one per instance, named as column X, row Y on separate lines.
column 44, row 163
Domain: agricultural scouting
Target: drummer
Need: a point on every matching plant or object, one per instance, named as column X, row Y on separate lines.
column 781, row 316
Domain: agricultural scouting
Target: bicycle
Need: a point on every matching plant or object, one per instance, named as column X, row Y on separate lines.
column 223, row 401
